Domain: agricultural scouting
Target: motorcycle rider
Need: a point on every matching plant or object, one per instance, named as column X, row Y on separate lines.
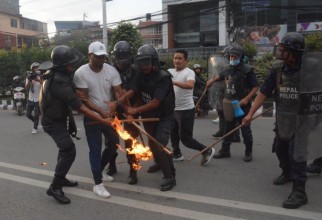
column 17, row 83
column 33, row 84
column 283, row 77
column 123, row 62
column 57, row 97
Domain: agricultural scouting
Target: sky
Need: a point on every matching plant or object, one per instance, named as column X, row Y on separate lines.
column 65, row 10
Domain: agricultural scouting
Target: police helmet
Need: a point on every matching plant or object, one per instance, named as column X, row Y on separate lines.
column 236, row 50
column 33, row 65
column 16, row 78
column 294, row 41
column 122, row 53
column 291, row 43
column 195, row 66
column 147, row 55
column 63, row 55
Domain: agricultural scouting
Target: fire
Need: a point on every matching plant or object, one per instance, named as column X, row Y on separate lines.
column 140, row 151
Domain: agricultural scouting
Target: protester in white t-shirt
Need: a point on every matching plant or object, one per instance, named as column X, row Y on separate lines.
column 183, row 81
column 94, row 84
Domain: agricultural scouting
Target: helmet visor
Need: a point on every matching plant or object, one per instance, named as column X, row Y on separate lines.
column 281, row 52
column 143, row 61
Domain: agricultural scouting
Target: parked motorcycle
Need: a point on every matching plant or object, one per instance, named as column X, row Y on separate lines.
column 19, row 99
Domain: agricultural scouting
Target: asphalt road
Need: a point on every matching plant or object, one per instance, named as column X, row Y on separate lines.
column 225, row 189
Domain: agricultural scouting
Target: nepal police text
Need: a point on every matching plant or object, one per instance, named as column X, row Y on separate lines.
column 316, row 103
column 289, row 93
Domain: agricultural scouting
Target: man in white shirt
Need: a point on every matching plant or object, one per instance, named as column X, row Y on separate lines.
column 183, row 81
column 94, row 84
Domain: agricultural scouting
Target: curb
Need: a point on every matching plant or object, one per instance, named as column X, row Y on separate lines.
column 6, row 105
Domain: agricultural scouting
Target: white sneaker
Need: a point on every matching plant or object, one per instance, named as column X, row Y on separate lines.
column 216, row 121
column 34, row 131
column 101, row 191
column 107, row 178
column 178, row 158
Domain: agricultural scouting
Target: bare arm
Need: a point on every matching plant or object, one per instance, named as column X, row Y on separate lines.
column 83, row 95
column 258, row 102
column 184, row 85
column 86, row 111
column 251, row 94
column 153, row 104
column 211, row 81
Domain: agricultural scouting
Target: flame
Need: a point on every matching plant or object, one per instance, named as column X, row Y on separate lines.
column 140, row 151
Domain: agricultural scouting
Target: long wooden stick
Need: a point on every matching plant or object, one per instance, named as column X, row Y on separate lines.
column 129, row 120
column 201, row 97
column 153, row 139
column 229, row 133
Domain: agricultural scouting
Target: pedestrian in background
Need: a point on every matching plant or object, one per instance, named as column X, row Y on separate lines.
column 33, row 85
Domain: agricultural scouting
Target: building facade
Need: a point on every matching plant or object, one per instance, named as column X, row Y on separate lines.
column 17, row 31
column 151, row 31
column 208, row 23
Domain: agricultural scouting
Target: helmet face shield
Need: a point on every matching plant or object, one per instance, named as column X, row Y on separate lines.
column 281, row 52
column 143, row 61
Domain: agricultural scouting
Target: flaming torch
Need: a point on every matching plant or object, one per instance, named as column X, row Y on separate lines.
column 140, row 151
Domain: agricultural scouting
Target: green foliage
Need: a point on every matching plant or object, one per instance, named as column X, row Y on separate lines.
column 250, row 49
column 314, row 42
column 127, row 32
column 262, row 65
column 17, row 63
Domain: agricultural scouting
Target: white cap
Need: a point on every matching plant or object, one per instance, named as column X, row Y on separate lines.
column 196, row 66
column 97, row 48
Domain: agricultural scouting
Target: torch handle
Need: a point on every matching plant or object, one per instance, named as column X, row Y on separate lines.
column 153, row 139
column 229, row 133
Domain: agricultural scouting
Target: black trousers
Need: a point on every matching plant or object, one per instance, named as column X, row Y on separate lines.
column 66, row 147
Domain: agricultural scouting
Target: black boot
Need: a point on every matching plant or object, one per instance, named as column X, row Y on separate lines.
column 154, row 168
column 222, row 153
column 220, row 133
column 55, row 190
column 133, row 178
column 282, row 179
column 111, row 170
column 69, row 183
column 298, row 196
column 168, row 184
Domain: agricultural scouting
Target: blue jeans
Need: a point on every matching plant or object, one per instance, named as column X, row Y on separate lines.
column 33, row 106
column 99, row 160
column 183, row 130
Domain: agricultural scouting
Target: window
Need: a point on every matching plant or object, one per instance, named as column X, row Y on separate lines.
column 13, row 22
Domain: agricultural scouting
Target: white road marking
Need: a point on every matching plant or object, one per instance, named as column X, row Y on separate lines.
column 184, row 196
column 152, row 207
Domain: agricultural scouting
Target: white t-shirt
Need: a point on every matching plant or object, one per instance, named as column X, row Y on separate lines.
column 99, row 85
column 34, row 96
column 184, row 97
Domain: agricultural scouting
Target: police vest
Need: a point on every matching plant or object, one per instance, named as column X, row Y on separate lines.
column 52, row 108
column 286, row 98
column 147, row 88
column 235, row 82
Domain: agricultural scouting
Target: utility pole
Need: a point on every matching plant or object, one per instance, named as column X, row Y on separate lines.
column 105, row 37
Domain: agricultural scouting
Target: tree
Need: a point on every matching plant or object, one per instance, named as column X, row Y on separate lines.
column 127, row 32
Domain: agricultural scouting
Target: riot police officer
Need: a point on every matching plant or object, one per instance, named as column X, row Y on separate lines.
column 156, row 98
column 123, row 62
column 284, row 78
column 241, row 85
column 57, row 96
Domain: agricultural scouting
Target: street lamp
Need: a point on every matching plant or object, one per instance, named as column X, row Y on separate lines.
column 105, row 40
